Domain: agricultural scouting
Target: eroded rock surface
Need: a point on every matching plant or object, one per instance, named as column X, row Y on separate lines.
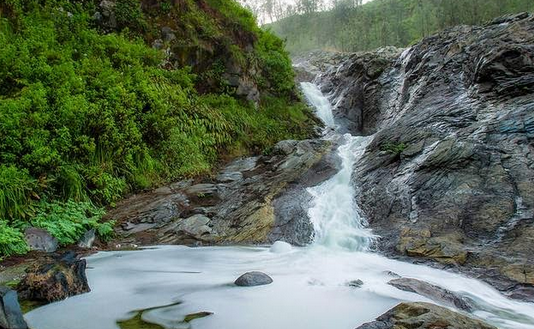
column 55, row 280
column 424, row 316
column 246, row 202
column 449, row 175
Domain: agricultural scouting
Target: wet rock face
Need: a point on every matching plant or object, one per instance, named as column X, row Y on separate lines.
column 449, row 174
column 424, row 316
column 55, row 280
column 248, row 201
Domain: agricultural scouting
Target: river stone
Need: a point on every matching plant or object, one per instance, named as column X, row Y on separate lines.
column 55, row 280
column 355, row 283
column 433, row 292
column 87, row 240
column 424, row 316
column 39, row 239
column 251, row 279
column 10, row 312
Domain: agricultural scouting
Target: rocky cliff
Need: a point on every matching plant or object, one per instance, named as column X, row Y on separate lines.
column 449, row 175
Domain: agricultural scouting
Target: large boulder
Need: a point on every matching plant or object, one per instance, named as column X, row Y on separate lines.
column 55, row 280
column 449, row 174
column 10, row 312
column 424, row 316
column 41, row 240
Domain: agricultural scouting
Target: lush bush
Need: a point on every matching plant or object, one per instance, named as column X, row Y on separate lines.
column 86, row 117
column 68, row 221
column 11, row 240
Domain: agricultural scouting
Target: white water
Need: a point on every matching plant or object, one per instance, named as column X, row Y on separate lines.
column 334, row 214
column 309, row 289
column 323, row 108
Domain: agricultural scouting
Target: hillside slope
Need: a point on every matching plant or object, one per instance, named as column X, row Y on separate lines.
column 102, row 98
column 381, row 23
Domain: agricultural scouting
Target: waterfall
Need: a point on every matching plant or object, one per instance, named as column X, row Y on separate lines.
column 321, row 104
column 336, row 218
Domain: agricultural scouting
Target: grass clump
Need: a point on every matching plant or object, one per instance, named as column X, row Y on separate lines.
column 393, row 148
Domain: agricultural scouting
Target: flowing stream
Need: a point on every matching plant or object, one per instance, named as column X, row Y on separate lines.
column 310, row 288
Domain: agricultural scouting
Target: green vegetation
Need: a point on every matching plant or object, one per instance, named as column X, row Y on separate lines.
column 351, row 26
column 89, row 113
column 393, row 148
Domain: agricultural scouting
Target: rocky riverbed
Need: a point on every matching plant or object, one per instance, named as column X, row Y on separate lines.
column 444, row 177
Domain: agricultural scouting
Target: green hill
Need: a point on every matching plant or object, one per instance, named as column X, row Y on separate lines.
column 102, row 98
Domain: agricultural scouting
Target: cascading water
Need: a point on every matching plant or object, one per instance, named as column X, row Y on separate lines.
column 323, row 108
column 310, row 284
column 335, row 216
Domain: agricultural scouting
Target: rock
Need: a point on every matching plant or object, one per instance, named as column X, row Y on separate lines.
column 446, row 249
column 158, row 44
column 424, row 316
column 39, row 239
column 199, row 315
column 280, row 247
column 167, row 34
column 195, row 226
column 251, row 279
column 10, row 312
column 285, row 147
column 87, row 240
column 55, row 280
column 433, row 292
column 354, row 283
column 202, row 190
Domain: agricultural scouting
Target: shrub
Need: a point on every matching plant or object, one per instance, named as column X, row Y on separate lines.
column 68, row 221
column 11, row 241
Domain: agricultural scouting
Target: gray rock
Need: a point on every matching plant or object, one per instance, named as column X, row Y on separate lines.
column 424, row 316
column 354, row 283
column 195, row 226
column 285, row 147
column 87, row 240
column 10, row 312
column 167, row 34
column 158, row 44
column 39, row 239
column 202, row 190
column 228, row 177
column 251, row 279
column 433, row 292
